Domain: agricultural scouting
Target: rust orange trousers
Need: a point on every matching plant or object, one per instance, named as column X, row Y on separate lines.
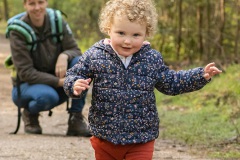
column 105, row 150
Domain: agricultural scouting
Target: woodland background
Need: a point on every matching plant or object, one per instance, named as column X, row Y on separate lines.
column 189, row 31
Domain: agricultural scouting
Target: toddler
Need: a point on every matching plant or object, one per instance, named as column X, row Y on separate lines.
column 124, row 69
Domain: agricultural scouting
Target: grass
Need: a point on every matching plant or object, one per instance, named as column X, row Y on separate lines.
column 209, row 117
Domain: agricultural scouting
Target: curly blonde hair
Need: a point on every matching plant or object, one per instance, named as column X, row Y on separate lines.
column 140, row 11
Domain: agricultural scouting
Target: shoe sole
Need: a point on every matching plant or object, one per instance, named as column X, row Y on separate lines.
column 78, row 134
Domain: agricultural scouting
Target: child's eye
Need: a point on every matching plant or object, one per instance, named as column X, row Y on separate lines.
column 120, row 33
column 136, row 35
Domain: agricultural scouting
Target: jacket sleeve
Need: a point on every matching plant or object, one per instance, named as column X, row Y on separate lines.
column 24, row 64
column 171, row 82
column 81, row 70
column 69, row 44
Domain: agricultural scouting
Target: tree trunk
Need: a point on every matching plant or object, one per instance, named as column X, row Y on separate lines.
column 237, row 35
column 6, row 15
column 222, row 25
column 208, row 30
column 179, row 37
column 200, row 38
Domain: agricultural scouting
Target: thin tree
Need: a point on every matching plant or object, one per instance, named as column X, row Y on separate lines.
column 6, row 15
column 222, row 25
column 200, row 21
column 237, row 33
column 208, row 28
column 179, row 37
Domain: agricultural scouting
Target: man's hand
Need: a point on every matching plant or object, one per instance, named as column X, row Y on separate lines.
column 61, row 65
column 60, row 82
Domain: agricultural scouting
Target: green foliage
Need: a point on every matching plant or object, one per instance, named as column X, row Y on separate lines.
column 83, row 20
column 168, row 49
column 208, row 117
column 15, row 6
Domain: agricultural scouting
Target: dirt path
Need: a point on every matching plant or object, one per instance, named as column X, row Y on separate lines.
column 53, row 144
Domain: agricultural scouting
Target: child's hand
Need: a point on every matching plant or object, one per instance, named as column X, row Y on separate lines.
column 81, row 85
column 210, row 70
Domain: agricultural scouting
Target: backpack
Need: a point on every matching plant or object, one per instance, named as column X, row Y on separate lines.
column 15, row 23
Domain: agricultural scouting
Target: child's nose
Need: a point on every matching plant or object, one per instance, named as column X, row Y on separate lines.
column 127, row 40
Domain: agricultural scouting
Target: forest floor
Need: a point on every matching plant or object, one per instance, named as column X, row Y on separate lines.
column 53, row 144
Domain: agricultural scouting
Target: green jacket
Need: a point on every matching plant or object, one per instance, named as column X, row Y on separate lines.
column 38, row 67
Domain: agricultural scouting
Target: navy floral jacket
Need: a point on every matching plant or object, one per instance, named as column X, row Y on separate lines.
column 123, row 108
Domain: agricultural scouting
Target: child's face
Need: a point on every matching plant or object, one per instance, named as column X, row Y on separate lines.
column 126, row 37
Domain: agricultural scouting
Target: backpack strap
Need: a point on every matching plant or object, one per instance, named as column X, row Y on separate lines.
column 25, row 30
column 56, row 24
column 15, row 23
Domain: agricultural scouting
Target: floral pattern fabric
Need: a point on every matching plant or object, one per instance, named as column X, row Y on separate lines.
column 123, row 107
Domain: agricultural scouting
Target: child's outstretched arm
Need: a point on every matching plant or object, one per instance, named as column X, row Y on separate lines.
column 210, row 70
column 81, row 85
